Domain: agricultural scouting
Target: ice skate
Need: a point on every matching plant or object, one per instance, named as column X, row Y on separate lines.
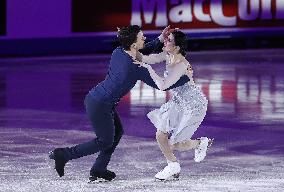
column 106, row 176
column 171, row 171
column 201, row 150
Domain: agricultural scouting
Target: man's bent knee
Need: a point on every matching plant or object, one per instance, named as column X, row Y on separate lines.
column 106, row 143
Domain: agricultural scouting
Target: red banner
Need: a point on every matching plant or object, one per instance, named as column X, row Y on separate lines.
column 105, row 16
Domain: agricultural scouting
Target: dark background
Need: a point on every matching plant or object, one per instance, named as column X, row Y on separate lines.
column 97, row 16
column 2, row 17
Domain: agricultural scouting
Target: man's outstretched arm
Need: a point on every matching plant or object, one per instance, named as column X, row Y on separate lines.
column 154, row 46
column 157, row 44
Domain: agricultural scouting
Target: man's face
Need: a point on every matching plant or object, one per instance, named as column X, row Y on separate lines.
column 140, row 40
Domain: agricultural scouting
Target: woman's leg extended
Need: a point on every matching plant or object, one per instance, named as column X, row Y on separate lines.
column 187, row 145
column 163, row 141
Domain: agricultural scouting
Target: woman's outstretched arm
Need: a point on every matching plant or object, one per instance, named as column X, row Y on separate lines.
column 152, row 58
column 164, row 83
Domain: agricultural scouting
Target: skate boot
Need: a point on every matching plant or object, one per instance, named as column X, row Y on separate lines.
column 171, row 171
column 200, row 151
column 101, row 176
column 58, row 156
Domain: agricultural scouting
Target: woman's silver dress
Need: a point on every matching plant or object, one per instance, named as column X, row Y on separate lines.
column 182, row 114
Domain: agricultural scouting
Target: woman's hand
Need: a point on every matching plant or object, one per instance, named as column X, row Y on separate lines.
column 141, row 64
column 190, row 72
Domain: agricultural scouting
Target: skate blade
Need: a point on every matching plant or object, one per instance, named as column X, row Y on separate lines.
column 51, row 155
column 174, row 177
column 210, row 142
column 99, row 180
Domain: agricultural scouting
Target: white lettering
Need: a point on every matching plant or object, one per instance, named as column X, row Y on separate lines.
column 199, row 13
column 218, row 16
column 279, row 9
column 266, row 9
column 148, row 7
column 181, row 13
column 244, row 14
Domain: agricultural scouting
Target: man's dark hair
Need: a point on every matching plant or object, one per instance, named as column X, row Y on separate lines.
column 181, row 41
column 128, row 35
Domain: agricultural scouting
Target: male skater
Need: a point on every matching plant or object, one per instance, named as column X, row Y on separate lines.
column 101, row 101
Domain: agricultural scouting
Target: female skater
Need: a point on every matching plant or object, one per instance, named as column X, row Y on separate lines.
column 180, row 117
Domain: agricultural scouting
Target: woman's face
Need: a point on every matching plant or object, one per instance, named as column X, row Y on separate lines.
column 140, row 40
column 169, row 44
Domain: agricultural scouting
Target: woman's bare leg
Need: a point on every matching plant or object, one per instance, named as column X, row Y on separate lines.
column 163, row 141
column 185, row 146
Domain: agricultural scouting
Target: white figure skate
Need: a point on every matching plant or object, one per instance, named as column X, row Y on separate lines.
column 171, row 171
column 201, row 150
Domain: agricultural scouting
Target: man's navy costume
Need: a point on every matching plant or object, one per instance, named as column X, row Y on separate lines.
column 100, row 105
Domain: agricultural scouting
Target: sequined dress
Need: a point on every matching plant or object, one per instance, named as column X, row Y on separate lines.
column 182, row 114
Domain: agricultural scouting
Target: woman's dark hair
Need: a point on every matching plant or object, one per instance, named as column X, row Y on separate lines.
column 128, row 35
column 181, row 41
